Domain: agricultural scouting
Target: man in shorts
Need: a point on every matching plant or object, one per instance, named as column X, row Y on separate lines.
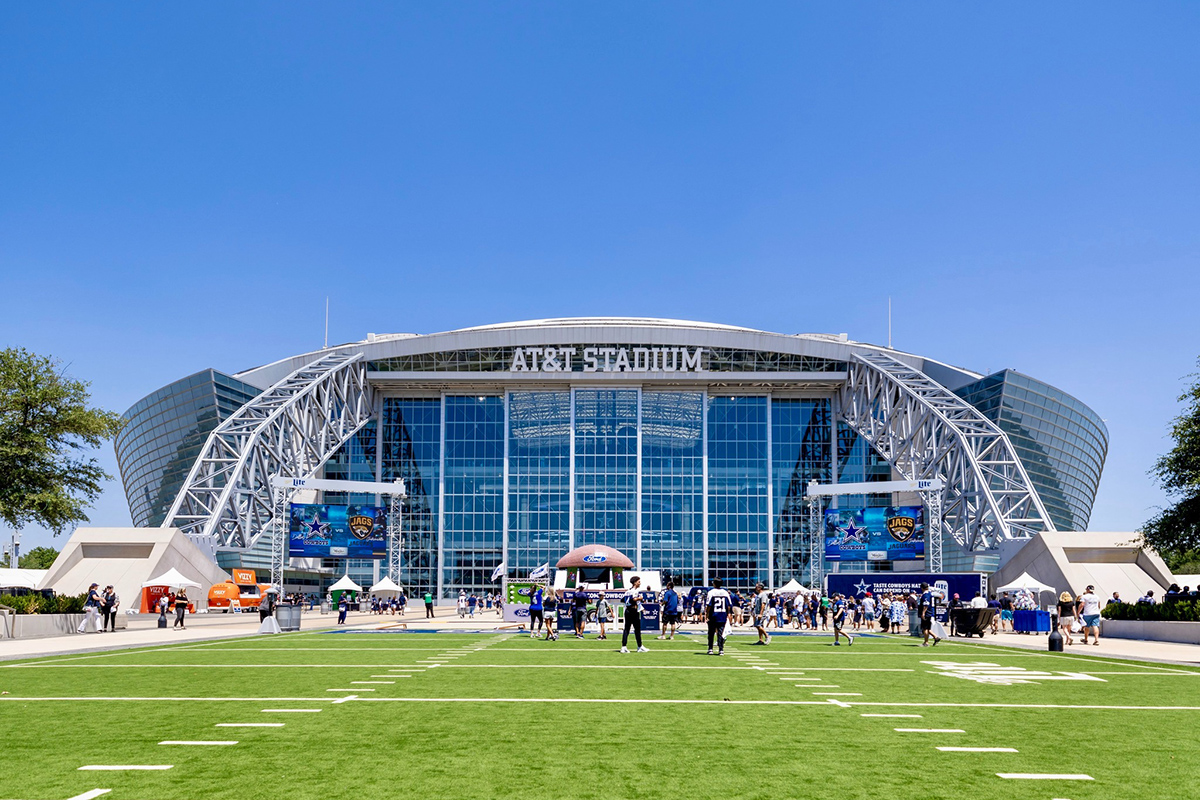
column 1006, row 612
column 1088, row 609
column 868, row 607
column 761, row 608
column 579, row 612
column 925, row 611
column 839, row 620
column 670, row 604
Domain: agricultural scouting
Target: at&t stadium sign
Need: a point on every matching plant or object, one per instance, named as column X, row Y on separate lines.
column 607, row 359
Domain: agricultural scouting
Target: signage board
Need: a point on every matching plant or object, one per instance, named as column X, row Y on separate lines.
column 891, row 533
column 323, row 530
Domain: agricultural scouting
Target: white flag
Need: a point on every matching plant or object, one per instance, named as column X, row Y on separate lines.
column 540, row 572
column 498, row 571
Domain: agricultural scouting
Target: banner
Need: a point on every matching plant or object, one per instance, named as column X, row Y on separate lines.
column 894, row 533
column 964, row 584
column 517, row 596
column 337, row 531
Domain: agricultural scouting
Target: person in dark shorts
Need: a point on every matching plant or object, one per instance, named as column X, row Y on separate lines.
column 579, row 612
column 717, row 612
column 670, row 604
column 839, row 620
column 925, row 610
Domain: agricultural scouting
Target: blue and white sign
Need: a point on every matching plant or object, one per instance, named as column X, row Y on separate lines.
column 850, row 584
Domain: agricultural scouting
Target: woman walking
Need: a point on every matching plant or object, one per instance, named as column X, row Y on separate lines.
column 602, row 607
column 633, row 616
column 181, row 604
column 1066, row 616
column 108, row 606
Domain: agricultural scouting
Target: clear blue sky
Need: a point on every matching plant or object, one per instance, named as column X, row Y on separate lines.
column 181, row 185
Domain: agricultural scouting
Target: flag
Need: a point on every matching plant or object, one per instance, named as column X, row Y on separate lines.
column 540, row 572
column 498, row 571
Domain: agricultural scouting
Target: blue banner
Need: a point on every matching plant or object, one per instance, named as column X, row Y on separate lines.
column 965, row 584
column 336, row 531
column 894, row 533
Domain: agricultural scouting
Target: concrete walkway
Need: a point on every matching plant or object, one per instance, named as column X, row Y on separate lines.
column 143, row 631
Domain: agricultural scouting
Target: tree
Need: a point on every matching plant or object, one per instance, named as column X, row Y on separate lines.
column 46, row 429
column 1175, row 531
column 38, row 558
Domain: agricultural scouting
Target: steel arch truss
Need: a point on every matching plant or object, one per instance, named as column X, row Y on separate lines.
column 290, row 430
column 926, row 431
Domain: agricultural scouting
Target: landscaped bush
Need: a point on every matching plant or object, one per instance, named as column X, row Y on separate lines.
column 36, row 604
column 1174, row 611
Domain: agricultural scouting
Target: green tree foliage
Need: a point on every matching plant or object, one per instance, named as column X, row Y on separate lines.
column 38, row 558
column 46, row 430
column 1176, row 530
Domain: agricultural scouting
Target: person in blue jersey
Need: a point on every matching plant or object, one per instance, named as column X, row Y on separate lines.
column 633, row 615
column 840, row 612
column 717, row 612
column 925, row 609
column 535, row 612
column 670, row 604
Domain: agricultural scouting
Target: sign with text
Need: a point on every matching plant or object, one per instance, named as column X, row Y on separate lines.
column 892, row 533
column 606, row 359
column 322, row 530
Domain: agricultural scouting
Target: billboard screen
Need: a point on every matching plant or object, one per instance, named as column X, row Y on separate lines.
column 892, row 533
column 320, row 530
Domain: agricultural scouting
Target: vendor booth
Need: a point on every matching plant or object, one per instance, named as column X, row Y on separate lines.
column 1029, row 620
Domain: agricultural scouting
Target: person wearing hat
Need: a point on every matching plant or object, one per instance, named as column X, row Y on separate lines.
column 1088, row 608
column 1066, row 616
column 955, row 603
column 91, row 609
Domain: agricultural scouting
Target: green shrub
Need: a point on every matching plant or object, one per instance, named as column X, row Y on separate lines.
column 1175, row 611
column 36, row 604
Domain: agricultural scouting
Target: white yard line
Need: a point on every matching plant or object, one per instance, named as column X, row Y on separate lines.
column 978, row 749
column 837, row 694
column 249, row 725
column 904, row 716
column 358, row 682
column 346, row 699
column 201, row 743
column 91, row 795
column 121, row 768
column 928, row 730
column 1039, row 776
column 291, row 710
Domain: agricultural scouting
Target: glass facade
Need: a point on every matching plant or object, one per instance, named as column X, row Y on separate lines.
column 164, row 433
column 412, row 450
column 672, row 485
column 539, row 479
column 1061, row 442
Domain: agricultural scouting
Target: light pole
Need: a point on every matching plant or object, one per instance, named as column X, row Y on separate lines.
column 16, row 550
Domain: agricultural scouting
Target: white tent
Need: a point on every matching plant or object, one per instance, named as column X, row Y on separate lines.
column 23, row 578
column 344, row 584
column 171, row 579
column 386, row 586
column 791, row 587
column 1025, row 582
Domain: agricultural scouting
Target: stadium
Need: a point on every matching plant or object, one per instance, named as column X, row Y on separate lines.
column 687, row 445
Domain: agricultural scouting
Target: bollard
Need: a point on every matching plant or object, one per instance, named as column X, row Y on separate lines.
column 1054, row 642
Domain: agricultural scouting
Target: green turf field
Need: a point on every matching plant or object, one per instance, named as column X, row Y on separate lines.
column 434, row 716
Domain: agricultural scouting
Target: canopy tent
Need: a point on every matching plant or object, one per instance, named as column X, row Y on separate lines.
column 386, row 586
column 171, row 578
column 21, row 578
column 792, row 587
column 344, row 584
column 1027, row 583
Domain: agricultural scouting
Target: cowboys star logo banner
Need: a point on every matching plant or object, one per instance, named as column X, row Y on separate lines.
column 321, row 530
column 892, row 533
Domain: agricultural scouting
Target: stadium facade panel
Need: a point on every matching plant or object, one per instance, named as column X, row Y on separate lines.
column 685, row 445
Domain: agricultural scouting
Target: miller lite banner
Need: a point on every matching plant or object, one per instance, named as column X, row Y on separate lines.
column 893, row 533
column 321, row 530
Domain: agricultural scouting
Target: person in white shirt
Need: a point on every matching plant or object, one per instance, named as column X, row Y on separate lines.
column 633, row 615
column 978, row 602
column 868, row 607
column 1088, row 608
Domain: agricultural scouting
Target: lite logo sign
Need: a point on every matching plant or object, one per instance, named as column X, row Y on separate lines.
column 606, row 359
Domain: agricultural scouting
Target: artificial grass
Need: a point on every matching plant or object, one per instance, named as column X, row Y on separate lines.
column 414, row 738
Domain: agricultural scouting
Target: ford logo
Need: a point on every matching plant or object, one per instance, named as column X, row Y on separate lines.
column 595, row 558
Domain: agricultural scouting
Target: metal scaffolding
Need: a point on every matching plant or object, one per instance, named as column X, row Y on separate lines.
column 290, row 430
column 925, row 431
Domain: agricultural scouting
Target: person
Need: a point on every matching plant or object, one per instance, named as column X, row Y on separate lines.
column 717, row 614
column 925, row 610
column 1116, row 598
column 462, row 604
column 1147, row 598
column 108, row 607
column 535, row 611
column 670, row 602
column 840, row 611
column 472, row 601
column 181, row 607
column 760, row 610
column 91, row 609
column 603, row 607
column 402, row 602
column 824, row 609
column 994, row 604
column 579, row 612
column 868, row 607
column 550, row 605
column 1066, row 616
column 633, row 616
column 898, row 614
column 1006, row 612
column 1089, row 612
column 954, row 604
column 428, row 605
column 343, row 607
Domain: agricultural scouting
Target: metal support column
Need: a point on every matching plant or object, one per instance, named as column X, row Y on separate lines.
column 395, row 534
column 933, row 529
